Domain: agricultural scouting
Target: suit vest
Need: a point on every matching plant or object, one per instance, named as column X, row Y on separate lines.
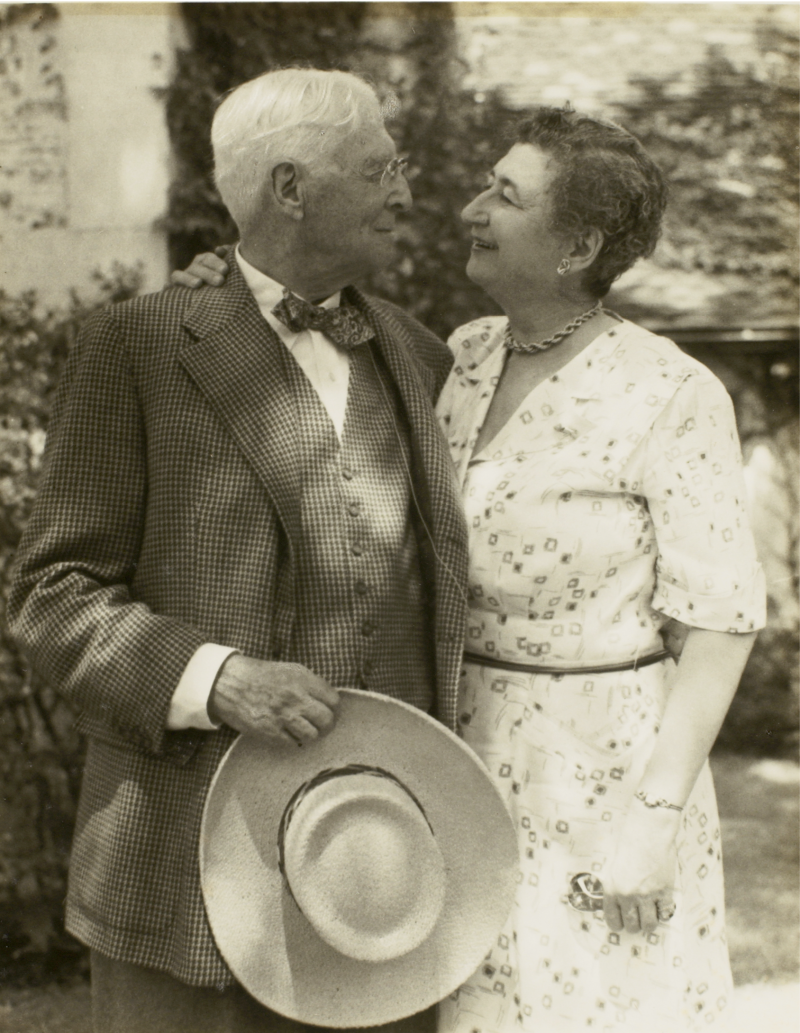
column 361, row 616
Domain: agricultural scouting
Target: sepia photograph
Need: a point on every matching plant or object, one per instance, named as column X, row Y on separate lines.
column 399, row 517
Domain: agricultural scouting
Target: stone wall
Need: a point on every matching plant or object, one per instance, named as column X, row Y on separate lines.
column 86, row 160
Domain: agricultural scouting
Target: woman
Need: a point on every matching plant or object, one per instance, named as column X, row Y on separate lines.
column 602, row 483
column 603, row 488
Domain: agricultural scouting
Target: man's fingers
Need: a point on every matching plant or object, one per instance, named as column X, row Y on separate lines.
column 319, row 715
column 326, row 694
column 300, row 728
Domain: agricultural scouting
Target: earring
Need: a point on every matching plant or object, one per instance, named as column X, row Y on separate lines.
column 563, row 267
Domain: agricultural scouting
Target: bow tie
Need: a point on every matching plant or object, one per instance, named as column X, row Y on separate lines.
column 346, row 326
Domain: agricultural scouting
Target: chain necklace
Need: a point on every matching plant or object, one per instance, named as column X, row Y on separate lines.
column 532, row 347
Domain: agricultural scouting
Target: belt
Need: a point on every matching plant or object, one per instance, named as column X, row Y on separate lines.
column 509, row 665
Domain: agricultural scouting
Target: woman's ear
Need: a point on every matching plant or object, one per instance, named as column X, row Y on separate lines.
column 586, row 248
column 287, row 190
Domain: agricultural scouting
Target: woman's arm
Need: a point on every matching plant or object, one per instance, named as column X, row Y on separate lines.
column 642, row 872
column 708, row 675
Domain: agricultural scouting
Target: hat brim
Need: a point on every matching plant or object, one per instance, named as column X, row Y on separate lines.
column 269, row 945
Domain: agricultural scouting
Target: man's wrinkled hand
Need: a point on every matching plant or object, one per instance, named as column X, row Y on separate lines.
column 207, row 267
column 278, row 701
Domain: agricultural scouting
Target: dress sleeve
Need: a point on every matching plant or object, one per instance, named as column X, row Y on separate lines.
column 707, row 572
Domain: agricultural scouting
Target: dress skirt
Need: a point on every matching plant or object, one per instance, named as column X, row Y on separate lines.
column 567, row 753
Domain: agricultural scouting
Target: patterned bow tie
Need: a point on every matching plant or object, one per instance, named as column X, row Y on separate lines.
column 346, row 326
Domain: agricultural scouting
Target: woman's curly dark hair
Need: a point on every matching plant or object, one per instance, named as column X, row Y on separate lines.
column 604, row 179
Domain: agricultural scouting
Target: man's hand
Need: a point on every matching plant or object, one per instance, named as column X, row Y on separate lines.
column 205, row 268
column 280, row 702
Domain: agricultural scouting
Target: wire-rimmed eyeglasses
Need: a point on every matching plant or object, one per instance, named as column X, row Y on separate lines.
column 395, row 168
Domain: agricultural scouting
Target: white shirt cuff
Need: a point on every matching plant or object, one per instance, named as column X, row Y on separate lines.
column 189, row 706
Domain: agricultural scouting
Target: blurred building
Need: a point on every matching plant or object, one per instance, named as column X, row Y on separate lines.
column 85, row 165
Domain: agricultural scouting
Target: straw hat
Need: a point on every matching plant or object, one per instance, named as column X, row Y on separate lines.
column 361, row 878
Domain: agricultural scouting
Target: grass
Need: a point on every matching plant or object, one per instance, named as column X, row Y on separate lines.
column 758, row 801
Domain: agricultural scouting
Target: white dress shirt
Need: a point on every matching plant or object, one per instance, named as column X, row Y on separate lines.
column 328, row 369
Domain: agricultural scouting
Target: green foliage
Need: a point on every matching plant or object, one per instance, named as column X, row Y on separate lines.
column 40, row 753
column 727, row 139
column 447, row 133
column 452, row 137
column 764, row 715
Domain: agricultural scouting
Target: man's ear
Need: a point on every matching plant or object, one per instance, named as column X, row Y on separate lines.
column 287, row 189
column 586, row 248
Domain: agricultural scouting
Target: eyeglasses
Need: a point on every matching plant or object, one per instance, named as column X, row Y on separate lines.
column 395, row 168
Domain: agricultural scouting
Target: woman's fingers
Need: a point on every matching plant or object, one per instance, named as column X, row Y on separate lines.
column 665, row 908
column 630, row 917
column 612, row 913
column 648, row 915
column 637, row 913
column 205, row 268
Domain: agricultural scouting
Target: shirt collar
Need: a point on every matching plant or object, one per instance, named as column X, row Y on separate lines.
column 268, row 292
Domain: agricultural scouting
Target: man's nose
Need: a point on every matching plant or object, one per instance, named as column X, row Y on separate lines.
column 400, row 199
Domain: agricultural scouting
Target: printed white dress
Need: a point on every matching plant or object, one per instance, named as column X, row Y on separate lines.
column 612, row 500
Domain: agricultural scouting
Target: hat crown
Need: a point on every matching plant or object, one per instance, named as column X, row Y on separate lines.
column 363, row 865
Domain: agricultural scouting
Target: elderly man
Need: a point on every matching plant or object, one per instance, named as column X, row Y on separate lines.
column 246, row 503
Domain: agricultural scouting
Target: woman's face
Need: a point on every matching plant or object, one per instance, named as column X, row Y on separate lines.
column 514, row 249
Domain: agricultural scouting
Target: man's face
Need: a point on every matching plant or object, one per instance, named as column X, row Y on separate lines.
column 350, row 219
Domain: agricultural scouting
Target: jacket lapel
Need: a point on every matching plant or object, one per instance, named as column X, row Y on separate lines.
column 437, row 495
column 238, row 363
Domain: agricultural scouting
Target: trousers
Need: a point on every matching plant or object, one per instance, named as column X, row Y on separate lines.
column 132, row 999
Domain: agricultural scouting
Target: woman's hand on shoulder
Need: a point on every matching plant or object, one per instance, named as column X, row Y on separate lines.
column 207, row 267
column 638, row 885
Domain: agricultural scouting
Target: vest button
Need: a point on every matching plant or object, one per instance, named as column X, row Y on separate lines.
column 356, row 549
column 354, row 509
column 361, row 587
column 367, row 627
column 347, row 473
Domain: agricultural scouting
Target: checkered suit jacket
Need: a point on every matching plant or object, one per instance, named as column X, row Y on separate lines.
column 169, row 502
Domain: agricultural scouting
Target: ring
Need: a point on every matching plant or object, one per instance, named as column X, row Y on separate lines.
column 666, row 912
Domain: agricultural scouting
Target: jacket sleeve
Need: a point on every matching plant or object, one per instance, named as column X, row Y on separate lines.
column 71, row 606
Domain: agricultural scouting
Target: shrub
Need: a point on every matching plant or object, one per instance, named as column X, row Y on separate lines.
column 40, row 753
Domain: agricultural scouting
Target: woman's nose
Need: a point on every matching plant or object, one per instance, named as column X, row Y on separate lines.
column 474, row 213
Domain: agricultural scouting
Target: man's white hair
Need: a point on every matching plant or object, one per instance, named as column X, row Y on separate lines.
column 294, row 114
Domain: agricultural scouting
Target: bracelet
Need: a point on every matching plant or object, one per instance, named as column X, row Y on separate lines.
column 648, row 802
